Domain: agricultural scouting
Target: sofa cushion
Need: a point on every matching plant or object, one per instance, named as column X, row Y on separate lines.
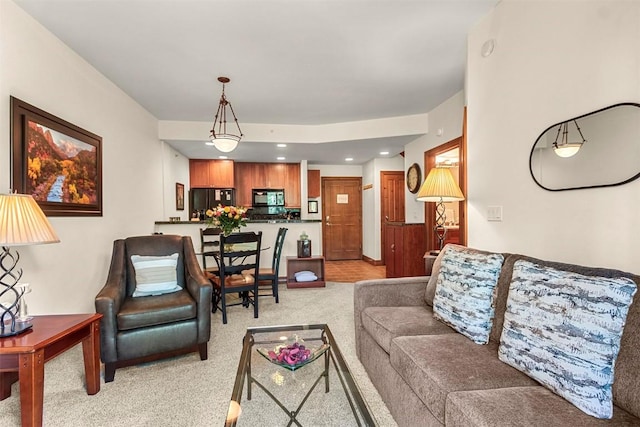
column 465, row 289
column 522, row 406
column 436, row 365
column 564, row 329
column 156, row 310
column 386, row 323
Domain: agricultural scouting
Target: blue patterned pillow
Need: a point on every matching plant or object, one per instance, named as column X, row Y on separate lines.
column 563, row 329
column 465, row 291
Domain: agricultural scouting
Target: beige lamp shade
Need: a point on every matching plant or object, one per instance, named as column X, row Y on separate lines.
column 22, row 222
column 439, row 187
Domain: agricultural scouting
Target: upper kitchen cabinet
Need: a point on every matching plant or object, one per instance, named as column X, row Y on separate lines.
column 292, row 187
column 313, row 183
column 211, row 173
column 267, row 175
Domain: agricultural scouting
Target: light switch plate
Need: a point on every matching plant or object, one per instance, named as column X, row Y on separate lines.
column 494, row 213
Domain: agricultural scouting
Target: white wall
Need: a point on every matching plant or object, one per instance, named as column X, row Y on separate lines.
column 175, row 169
column 584, row 57
column 39, row 69
column 447, row 118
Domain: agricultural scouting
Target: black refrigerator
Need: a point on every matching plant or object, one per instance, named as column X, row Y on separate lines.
column 201, row 199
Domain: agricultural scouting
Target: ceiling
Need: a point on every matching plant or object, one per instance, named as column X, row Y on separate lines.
column 304, row 62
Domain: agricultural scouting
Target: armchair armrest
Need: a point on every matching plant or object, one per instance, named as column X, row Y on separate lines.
column 109, row 300
column 200, row 289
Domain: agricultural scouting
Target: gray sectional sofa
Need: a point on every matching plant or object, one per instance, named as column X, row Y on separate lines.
column 430, row 375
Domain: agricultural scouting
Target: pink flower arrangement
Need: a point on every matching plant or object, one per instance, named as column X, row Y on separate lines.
column 227, row 218
column 292, row 354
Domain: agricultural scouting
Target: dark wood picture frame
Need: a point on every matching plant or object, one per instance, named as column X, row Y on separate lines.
column 57, row 162
column 179, row 196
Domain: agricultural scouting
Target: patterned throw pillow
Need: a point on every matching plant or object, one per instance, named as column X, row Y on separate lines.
column 563, row 329
column 465, row 291
column 155, row 275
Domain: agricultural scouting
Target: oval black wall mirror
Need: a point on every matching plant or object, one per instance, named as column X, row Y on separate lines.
column 599, row 149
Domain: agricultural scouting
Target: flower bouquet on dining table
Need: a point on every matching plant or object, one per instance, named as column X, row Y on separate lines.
column 227, row 218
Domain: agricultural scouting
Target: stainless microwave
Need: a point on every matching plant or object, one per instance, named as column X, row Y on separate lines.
column 267, row 197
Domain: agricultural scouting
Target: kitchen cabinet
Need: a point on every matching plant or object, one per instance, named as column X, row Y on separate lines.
column 267, row 175
column 292, row 187
column 405, row 245
column 313, row 183
column 211, row 173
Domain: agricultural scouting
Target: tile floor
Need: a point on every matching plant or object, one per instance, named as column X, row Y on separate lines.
column 352, row 271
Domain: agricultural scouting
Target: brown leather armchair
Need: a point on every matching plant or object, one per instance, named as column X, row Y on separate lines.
column 141, row 329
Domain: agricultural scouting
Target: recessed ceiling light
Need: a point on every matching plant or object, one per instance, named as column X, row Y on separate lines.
column 281, row 145
column 384, row 153
column 209, row 143
column 349, row 159
column 280, row 158
column 223, row 157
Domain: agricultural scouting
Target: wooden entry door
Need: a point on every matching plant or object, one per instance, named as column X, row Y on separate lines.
column 342, row 222
column 391, row 203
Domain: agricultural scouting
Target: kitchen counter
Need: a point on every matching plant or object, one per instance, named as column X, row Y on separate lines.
column 249, row 221
column 269, row 229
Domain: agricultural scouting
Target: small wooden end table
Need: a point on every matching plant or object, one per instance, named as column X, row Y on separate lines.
column 314, row 264
column 22, row 357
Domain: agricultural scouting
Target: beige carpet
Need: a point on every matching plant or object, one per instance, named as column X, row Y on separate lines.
column 186, row 391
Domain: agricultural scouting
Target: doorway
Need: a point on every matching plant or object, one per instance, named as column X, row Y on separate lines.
column 391, row 202
column 452, row 155
column 342, row 222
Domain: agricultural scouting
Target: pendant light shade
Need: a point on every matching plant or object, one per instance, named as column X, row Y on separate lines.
column 564, row 148
column 222, row 139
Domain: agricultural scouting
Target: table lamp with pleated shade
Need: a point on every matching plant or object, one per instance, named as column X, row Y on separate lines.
column 22, row 223
column 440, row 187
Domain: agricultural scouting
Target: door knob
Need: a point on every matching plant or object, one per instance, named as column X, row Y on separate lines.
column 327, row 220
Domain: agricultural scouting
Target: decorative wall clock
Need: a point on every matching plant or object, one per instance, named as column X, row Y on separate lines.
column 414, row 178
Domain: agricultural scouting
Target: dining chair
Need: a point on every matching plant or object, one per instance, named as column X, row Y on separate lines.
column 239, row 260
column 209, row 247
column 268, row 277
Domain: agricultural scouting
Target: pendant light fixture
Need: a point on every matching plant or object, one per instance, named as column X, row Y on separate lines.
column 220, row 137
column 564, row 148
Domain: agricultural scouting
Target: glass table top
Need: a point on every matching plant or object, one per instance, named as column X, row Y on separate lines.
column 315, row 389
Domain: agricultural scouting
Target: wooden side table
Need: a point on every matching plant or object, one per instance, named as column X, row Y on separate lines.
column 313, row 263
column 22, row 357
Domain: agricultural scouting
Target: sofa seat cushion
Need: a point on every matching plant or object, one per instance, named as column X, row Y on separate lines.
column 436, row 365
column 156, row 310
column 386, row 323
column 522, row 406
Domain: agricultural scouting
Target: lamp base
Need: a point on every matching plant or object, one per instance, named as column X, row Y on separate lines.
column 21, row 327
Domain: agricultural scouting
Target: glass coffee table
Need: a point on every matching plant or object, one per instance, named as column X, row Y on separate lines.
column 318, row 390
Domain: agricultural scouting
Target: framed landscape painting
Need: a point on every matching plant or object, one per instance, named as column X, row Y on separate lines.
column 56, row 162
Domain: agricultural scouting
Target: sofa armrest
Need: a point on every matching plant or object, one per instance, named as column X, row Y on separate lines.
column 396, row 292
column 200, row 289
column 109, row 300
